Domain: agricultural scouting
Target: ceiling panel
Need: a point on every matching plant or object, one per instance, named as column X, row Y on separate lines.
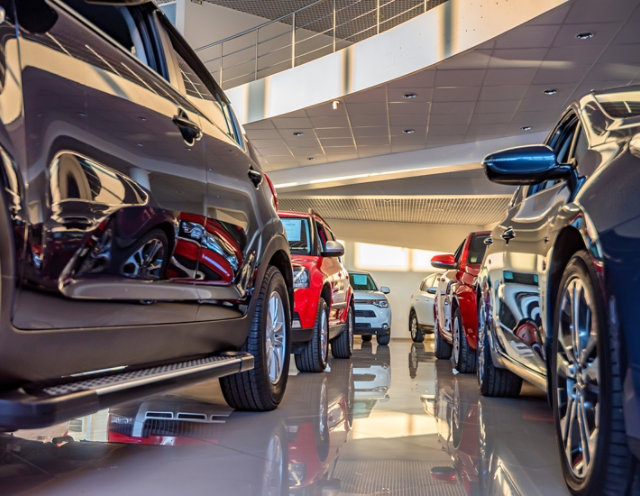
column 470, row 210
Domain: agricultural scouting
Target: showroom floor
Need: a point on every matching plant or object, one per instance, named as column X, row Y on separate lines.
column 374, row 427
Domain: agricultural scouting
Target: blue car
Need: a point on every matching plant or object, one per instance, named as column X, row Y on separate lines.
column 559, row 288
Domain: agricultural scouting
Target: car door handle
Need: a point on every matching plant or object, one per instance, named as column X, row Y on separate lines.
column 255, row 176
column 508, row 234
column 190, row 131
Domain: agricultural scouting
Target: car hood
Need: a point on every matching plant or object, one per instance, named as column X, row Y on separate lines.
column 369, row 295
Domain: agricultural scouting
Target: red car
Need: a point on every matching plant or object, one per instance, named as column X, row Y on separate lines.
column 455, row 312
column 323, row 299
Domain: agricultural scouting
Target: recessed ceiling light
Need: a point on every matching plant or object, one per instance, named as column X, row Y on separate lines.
column 409, row 96
column 409, row 131
column 551, row 91
column 526, row 128
column 298, row 133
column 311, row 159
column 584, row 36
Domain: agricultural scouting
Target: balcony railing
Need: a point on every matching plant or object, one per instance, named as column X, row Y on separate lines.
column 317, row 29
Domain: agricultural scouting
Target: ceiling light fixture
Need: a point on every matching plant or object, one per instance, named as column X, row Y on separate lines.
column 551, row 91
column 526, row 128
column 409, row 96
column 584, row 36
column 311, row 159
column 334, row 104
column 298, row 133
column 409, row 131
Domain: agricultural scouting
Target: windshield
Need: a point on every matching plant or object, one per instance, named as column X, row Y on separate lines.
column 297, row 230
column 362, row 282
column 477, row 249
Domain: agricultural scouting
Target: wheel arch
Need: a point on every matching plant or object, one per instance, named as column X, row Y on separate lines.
column 282, row 262
column 326, row 293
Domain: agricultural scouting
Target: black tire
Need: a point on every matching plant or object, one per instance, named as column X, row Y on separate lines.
column 442, row 349
column 493, row 381
column 366, row 338
column 342, row 345
column 253, row 390
column 416, row 334
column 612, row 467
column 313, row 357
column 383, row 339
column 464, row 358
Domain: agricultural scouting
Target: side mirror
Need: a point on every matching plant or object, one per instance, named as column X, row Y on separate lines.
column 446, row 262
column 529, row 164
column 432, row 290
column 333, row 249
column 385, row 289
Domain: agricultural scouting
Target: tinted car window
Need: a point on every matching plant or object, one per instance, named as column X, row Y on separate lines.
column 458, row 252
column 362, row 282
column 477, row 249
column 298, row 234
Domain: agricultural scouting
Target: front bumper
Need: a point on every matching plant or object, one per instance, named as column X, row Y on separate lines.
column 371, row 319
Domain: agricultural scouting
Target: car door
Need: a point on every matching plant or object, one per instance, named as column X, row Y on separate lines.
column 112, row 172
column 234, row 188
column 337, row 276
column 424, row 301
column 522, row 241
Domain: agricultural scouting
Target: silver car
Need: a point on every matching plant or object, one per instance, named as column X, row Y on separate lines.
column 373, row 314
column 421, row 304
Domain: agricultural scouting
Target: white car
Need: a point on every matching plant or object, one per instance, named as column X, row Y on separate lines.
column 421, row 313
column 373, row 315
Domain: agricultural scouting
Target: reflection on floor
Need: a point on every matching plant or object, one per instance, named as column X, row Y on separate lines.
column 358, row 429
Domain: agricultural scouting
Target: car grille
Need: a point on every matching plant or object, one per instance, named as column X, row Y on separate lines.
column 365, row 313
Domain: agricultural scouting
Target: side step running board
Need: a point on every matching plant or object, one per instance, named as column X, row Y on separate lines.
column 35, row 407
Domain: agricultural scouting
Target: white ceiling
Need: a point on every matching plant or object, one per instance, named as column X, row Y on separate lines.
column 488, row 92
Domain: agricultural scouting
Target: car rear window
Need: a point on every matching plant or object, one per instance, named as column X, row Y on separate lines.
column 620, row 104
column 362, row 282
column 297, row 230
column 477, row 248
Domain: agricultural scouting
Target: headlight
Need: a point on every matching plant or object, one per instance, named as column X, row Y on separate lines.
column 380, row 303
column 300, row 277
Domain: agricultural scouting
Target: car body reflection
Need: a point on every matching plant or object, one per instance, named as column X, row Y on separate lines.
column 490, row 451
column 372, row 377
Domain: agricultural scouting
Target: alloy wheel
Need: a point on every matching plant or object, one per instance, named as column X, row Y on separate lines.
column 324, row 337
column 456, row 340
column 414, row 327
column 578, row 377
column 146, row 262
column 482, row 329
column 275, row 337
column 350, row 329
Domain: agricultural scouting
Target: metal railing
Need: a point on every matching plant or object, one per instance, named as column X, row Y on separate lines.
column 317, row 29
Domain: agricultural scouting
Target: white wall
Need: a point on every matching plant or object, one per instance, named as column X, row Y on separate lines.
column 440, row 238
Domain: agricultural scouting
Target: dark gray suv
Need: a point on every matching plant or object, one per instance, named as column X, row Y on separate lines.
column 139, row 243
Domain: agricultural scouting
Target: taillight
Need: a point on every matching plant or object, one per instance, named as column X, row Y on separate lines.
column 273, row 191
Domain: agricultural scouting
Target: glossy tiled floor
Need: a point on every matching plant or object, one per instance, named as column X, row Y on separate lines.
column 392, row 421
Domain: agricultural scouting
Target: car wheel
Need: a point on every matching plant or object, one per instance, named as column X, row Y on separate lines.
column 383, row 339
column 464, row 358
column 314, row 355
column 493, row 381
column 366, row 337
column 416, row 333
column 442, row 349
column 586, row 387
column 342, row 345
column 262, row 387
column 147, row 258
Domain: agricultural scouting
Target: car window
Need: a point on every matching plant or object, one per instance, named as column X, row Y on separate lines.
column 585, row 163
column 362, row 282
column 123, row 25
column 201, row 93
column 477, row 249
column 322, row 235
column 298, row 234
column 560, row 141
column 459, row 252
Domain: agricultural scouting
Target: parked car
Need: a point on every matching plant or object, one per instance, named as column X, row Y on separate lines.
column 421, row 308
column 558, row 289
column 455, row 302
column 140, row 245
column 323, row 299
column 373, row 314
